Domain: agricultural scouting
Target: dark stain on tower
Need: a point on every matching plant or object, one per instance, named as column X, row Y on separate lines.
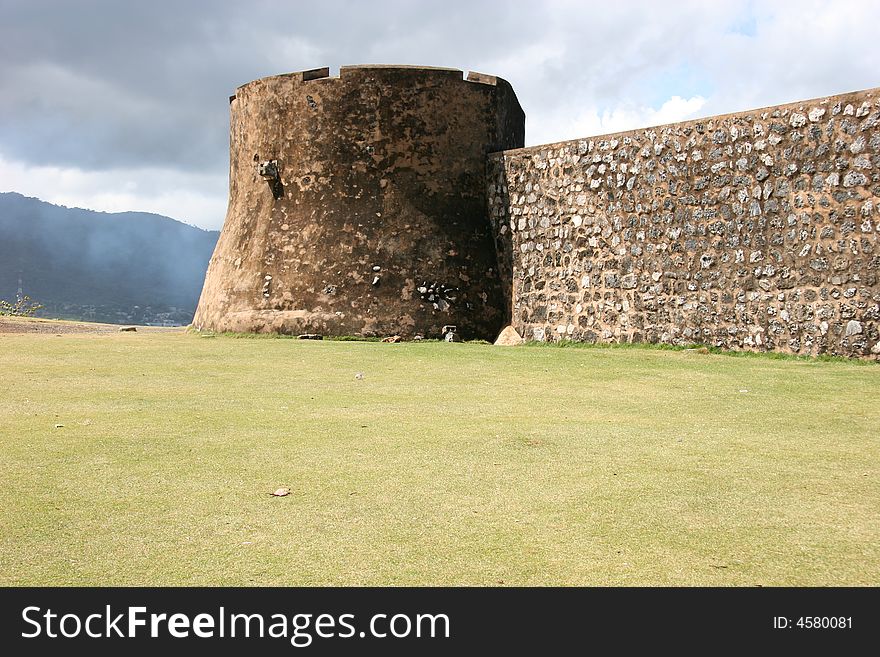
column 351, row 197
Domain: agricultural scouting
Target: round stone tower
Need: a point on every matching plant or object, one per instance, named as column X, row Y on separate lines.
column 358, row 204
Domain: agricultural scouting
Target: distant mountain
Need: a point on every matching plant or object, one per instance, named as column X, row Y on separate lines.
column 127, row 267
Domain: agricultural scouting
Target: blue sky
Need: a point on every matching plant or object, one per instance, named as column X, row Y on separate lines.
column 123, row 106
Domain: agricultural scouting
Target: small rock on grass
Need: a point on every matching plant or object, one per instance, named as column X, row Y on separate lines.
column 281, row 492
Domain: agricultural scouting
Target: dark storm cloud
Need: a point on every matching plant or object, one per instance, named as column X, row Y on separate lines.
column 106, row 84
column 102, row 84
column 115, row 95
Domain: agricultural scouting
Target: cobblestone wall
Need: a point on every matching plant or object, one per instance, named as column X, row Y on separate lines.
column 756, row 230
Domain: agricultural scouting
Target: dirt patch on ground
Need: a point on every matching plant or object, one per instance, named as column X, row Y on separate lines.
column 59, row 327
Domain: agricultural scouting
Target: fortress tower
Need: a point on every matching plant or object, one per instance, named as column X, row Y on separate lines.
column 358, row 204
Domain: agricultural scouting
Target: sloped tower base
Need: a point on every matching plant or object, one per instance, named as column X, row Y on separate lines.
column 358, row 206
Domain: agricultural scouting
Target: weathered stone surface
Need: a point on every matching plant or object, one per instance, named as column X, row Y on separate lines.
column 346, row 193
column 361, row 205
column 508, row 338
column 756, row 230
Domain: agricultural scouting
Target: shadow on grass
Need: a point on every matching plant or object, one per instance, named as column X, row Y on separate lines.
column 701, row 348
column 572, row 344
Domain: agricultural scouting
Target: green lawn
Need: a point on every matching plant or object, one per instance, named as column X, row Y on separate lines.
column 444, row 464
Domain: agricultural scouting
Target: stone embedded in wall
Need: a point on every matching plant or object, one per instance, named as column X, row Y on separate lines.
column 756, row 230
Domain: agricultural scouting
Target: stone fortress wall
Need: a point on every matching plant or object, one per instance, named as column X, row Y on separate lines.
column 357, row 204
column 396, row 200
column 756, row 230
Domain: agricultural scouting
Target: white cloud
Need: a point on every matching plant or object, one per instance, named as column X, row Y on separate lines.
column 676, row 109
column 794, row 50
column 620, row 118
column 192, row 198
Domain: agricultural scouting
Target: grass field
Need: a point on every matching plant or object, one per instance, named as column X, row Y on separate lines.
column 443, row 465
